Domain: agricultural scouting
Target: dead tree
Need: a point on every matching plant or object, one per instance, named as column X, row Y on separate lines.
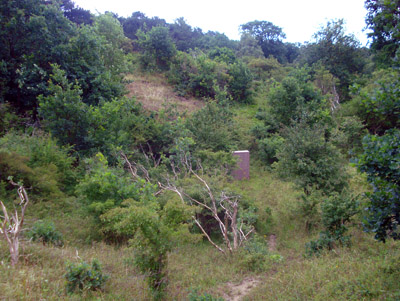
column 11, row 227
column 224, row 209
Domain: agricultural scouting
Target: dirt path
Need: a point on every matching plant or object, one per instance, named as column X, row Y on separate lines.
column 236, row 292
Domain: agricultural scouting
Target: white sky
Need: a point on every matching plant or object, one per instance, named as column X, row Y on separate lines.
column 299, row 19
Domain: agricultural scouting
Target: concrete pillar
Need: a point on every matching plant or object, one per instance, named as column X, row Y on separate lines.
column 243, row 165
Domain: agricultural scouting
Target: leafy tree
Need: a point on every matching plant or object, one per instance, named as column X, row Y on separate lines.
column 383, row 19
column 311, row 160
column 139, row 21
column 380, row 161
column 212, row 39
column 65, row 115
column 248, row 46
column 157, row 48
column 269, row 37
column 75, row 13
column 89, row 62
column 120, row 124
column 35, row 35
column 222, row 54
column 378, row 103
column 296, row 99
column 212, row 128
column 339, row 53
column 112, row 55
column 184, row 36
column 240, row 84
column 153, row 231
column 337, row 212
column 32, row 34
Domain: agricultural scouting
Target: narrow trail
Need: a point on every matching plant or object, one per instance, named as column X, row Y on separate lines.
column 236, row 292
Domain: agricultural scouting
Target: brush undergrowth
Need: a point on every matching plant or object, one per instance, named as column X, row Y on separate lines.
column 366, row 270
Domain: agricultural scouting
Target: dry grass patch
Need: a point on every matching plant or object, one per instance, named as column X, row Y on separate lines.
column 153, row 92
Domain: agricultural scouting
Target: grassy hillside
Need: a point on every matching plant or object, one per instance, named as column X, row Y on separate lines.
column 365, row 270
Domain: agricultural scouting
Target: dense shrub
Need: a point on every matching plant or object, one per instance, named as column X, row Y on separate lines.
column 84, row 277
column 311, row 160
column 213, row 128
column 256, row 257
column 45, row 232
column 380, row 161
column 41, row 152
column 240, row 83
column 337, row 211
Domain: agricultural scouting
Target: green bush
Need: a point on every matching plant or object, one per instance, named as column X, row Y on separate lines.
column 84, row 277
column 46, row 232
column 337, row 211
column 315, row 247
column 256, row 257
column 309, row 158
column 240, row 83
column 380, row 161
column 42, row 152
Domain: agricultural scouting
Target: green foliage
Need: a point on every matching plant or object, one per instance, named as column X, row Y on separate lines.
column 268, row 36
column 137, row 22
column 104, row 187
column 348, row 135
column 266, row 68
column 223, row 54
column 113, row 41
column 65, row 115
column 42, row 151
column 45, row 180
column 208, row 76
column 45, row 232
column 184, row 36
column 309, row 209
column 33, row 34
column 93, row 66
column 153, row 230
column 157, row 48
column 8, row 119
column 296, row 99
column 382, row 18
column 112, row 125
column 240, row 83
column 380, row 161
column 213, row 76
column 37, row 35
column 256, row 257
column 212, row 127
column 249, row 47
column 337, row 211
column 269, row 146
column 378, row 103
column 120, row 124
column 339, row 53
column 315, row 247
column 311, row 160
column 83, row 277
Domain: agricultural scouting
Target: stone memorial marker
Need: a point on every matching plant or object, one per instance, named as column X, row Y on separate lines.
column 243, row 169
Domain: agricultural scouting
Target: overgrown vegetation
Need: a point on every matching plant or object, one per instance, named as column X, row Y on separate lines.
column 150, row 193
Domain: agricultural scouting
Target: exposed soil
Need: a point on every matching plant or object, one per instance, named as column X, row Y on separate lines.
column 236, row 292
